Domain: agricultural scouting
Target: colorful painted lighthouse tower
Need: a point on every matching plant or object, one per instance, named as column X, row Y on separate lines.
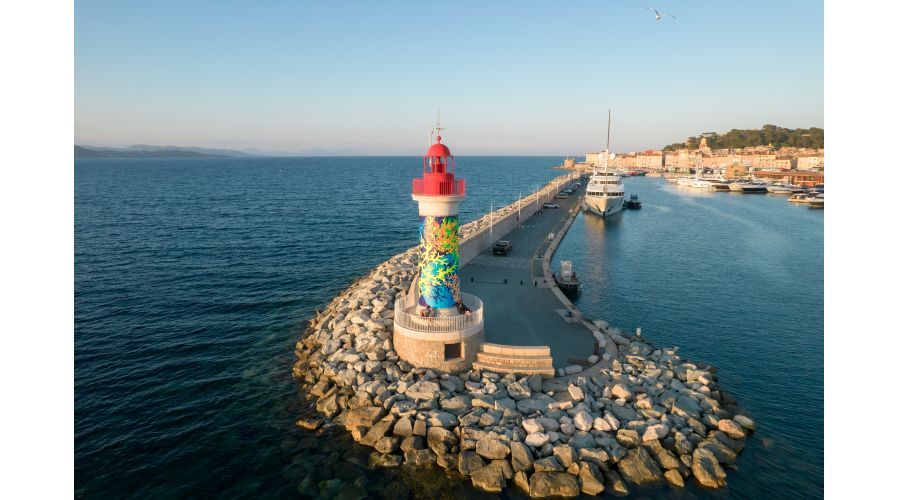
column 438, row 193
column 435, row 324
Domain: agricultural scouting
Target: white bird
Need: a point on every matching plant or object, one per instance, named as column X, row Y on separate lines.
column 662, row 15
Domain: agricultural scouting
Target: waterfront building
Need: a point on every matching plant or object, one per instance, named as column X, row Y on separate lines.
column 798, row 177
column 435, row 324
column 811, row 162
column 593, row 159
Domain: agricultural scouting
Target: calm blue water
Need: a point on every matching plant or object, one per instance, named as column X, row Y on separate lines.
column 734, row 280
column 193, row 279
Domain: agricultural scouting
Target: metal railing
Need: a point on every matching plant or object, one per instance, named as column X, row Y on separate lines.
column 445, row 188
column 405, row 315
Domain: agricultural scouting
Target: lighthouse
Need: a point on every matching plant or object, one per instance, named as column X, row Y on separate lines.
column 436, row 325
column 438, row 194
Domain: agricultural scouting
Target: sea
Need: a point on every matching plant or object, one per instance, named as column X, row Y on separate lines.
column 194, row 278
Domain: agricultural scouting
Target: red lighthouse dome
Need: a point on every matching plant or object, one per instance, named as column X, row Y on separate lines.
column 438, row 149
column 437, row 176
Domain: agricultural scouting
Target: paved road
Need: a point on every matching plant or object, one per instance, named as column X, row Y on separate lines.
column 516, row 312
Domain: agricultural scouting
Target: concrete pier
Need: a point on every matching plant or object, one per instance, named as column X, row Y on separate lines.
column 525, row 306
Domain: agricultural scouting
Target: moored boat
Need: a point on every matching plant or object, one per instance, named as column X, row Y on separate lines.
column 817, row 201
column 799, row 198
column 605, row 193
column 633, row 202
column 567, row 280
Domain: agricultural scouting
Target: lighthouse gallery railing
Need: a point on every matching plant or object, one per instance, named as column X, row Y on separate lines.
column 445, row 188
column 405, row 316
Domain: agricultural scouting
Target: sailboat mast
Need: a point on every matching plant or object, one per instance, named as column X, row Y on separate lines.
column 608, row 121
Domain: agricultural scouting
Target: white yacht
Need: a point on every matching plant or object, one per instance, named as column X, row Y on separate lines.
column 605, row 193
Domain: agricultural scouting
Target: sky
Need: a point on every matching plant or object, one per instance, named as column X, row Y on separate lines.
column 509, row 77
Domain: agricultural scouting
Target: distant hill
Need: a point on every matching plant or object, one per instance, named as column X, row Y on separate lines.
column 147, row 151
column 768, row 135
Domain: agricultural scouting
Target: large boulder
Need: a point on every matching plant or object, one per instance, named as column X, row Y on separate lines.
column 419, row 458
column 403, row 427
column 732, row 429
column 365, row 416
column 576, row 393
column 655, row 432
column 458, row 404
column 665, row 457
column 627, row 437
column 380, row 460
column 532, row 425
column 583, row 421
column 706, row 469
column 621, row 391
column 387, row 444
column 553, row 484
column 591, row 479
column 686, row 407
column 549, row 464
column 615, row 484
column 674, row 478
column 327, row 405
column 521, row 457
column 745, row 422
column 441, row 440
column 624, row 413
column 518, row 390
column 565, row 454
column 723, row 453
column 537, row 439
column 469, row 462
column 423, row 390
column 537, row 402
column 442, row 419
column 489, row 478
column 593, row 455
column 491, row 448
column 639, row 468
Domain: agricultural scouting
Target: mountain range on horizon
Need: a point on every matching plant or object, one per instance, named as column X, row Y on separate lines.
column 150, row 151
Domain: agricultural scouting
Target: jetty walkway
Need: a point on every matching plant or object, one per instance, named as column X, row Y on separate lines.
column 524, row 306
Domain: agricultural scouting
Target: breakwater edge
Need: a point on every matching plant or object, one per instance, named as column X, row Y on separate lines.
column 643, row 417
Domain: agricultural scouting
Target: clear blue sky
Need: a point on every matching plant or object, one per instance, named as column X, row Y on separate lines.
column 510, row 77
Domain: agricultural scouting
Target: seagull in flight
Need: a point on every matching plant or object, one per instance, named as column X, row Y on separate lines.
column 660, row 15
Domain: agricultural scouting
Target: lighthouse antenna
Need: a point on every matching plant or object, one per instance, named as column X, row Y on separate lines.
column 438, row 127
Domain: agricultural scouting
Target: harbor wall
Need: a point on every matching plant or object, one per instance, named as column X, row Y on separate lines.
column 505, row 220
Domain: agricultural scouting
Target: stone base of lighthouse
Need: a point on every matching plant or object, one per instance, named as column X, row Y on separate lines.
column 448, row 342
column 452, row 353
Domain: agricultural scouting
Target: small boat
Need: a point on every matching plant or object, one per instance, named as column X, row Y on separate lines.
column 817, row 201
column 719, row 186
column 780, row 189
column 748, row 187
column 567, row 279
column 799, row 198
column 633, row 202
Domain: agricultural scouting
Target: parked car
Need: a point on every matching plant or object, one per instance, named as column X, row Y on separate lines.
column 502, row 247
column 551, row 205
column 561, row 196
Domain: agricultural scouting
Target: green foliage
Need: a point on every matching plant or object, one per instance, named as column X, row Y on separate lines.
column 768, row 135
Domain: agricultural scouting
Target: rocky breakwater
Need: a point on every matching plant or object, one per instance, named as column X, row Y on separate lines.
column 646, row 417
